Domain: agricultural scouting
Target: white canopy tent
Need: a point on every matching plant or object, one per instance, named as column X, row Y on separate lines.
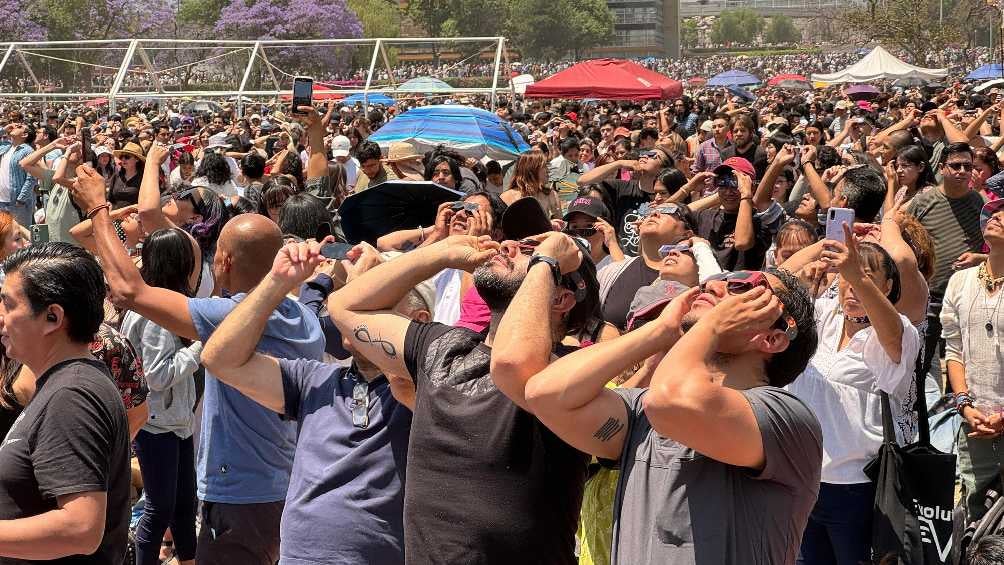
column 880, row 64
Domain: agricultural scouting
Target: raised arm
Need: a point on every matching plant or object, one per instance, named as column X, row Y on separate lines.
column 908, row 118
column 784, row 157
column 693, row 189
column 163, row 307
column 817, row 188
column 150, row 213
column 952, row 133
column 603, row 172
column 362, row 308
column 745, row 236
column 973, row 129
column 83, row 232
column 686, row 400
column 317, row 163
column 30, row 162
column 882, row 314
column 230, row 352
column 524, row 339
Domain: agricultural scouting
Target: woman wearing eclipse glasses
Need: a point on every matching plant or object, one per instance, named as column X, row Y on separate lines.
column 866, row 350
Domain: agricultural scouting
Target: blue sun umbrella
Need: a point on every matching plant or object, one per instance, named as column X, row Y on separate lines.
column 987, row 72
column 735, row 77
column 373, row 98
column 470, row 131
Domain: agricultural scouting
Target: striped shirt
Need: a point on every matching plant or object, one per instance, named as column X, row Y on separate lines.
column 954, row 225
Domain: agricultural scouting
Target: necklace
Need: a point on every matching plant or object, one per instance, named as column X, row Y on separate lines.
column 989, row 282
column 857, row 319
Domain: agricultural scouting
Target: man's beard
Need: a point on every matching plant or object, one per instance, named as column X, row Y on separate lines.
column 689, row 320
column 496, row 290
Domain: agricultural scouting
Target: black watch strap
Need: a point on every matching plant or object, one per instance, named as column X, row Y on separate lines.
column 550, row 262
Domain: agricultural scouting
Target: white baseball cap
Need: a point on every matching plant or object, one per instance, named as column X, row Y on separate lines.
column 340, row 146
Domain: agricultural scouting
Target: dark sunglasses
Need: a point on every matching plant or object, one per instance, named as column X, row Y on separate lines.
column 958, row 167
column 655, row 155
column 665, row 250
column 726, row 182
column 192, row 195
column 580, row 232
column 470, row 207
column 125, row 157
column 741, row 282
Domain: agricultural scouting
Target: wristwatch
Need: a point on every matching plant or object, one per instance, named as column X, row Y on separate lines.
column 550, row 262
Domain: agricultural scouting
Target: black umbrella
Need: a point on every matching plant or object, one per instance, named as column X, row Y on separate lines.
column 391, row 206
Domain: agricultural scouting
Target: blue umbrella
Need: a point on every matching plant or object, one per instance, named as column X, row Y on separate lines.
column 746, row 95
column 987, row 72
column 735, row 77
column 373, row 97
column 470, row 131
column 424, row 84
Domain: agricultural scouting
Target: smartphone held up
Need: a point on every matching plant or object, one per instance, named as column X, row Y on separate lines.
column 303, row 91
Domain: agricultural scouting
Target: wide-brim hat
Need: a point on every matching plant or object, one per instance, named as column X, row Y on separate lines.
column 131, row 149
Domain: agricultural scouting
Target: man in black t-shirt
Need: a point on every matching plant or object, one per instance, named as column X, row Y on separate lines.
column 64, row 465
column 744, row 144
column 486, row 482
column 627, row 197
column 738, row 234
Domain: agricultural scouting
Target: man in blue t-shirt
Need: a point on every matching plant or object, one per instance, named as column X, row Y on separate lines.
column 245, row 450
column 345, row 502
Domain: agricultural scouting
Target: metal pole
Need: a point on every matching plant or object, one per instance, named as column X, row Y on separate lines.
column 495, row 77
column 27, row 67
column 120, row 75
column 244, row 79
column 6, row 56
column 369, row 75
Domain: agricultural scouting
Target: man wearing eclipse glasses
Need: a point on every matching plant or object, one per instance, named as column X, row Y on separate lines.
column 716, row 461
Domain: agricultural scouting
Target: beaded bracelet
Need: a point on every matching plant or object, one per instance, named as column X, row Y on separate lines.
column 963, row 399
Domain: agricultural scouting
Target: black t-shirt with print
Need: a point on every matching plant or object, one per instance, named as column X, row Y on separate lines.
column 719, row 228
column 487, row 482
column 618, row 302
column 72, row 438
column 627, row 197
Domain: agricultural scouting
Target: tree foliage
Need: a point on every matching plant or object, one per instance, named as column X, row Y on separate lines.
column 293, row 19
column 550, row 28
column 781, row 29
column 914, row 26
column 737, row 26
column 689, row 32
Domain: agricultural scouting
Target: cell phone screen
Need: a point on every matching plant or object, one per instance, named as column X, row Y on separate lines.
column 336, row 251
column 303, row 88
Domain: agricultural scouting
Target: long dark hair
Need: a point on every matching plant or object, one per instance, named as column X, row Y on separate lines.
column 915, row 155
column 168, row 260
column 215, row 168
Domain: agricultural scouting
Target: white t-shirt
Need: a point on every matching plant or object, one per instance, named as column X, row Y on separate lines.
column 5, row 187
column 842, row 388
column 226, row 189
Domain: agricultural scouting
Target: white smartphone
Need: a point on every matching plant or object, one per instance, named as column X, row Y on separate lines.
column 835, row 220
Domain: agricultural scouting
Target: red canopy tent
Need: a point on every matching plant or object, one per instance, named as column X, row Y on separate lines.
column 321, row 91
column 606, row 79
column 778, row 78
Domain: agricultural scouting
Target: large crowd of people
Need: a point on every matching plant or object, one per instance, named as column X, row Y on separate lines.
column 671, row 331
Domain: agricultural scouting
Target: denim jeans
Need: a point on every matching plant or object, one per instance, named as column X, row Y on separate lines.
column 839, row 531
column 167, row 463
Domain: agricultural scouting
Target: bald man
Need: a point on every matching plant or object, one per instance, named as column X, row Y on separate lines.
column 245, row 450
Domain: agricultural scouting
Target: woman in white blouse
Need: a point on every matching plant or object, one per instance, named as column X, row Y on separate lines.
column 972, row 317
column 865, row 348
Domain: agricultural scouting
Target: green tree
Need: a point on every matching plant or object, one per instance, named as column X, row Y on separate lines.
column 689, row 33
column 915, row 26
column 781, row 29
column 550, row 28
column 737, row 26
column 452, row 18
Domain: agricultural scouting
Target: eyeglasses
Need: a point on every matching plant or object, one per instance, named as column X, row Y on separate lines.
column 960, row 166
column 527, row 246
column 361, row 405
column 580, row 232
column 741, row 282
column 125, row 157
column 192, row 195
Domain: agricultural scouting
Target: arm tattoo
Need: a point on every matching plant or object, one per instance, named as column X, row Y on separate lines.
column 362, row 334
column 609, row 429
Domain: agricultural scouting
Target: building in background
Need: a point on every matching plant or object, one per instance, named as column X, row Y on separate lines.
column 644, row 28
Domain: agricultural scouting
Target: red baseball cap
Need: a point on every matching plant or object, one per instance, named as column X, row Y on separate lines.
column 572, row 116
column 736, row 164
column 622, row 132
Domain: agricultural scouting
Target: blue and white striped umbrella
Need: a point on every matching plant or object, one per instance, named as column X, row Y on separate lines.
column 470, row 131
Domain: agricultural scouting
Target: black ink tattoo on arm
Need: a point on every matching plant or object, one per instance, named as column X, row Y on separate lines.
column 362, row 334
column 609, row 429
